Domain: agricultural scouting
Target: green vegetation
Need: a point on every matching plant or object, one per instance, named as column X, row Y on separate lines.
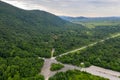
column 27, row 34
column 16, row 68
column 55, row 66
column 75, row 75
column 17, row 58
column 105, row 54
column 35, row 33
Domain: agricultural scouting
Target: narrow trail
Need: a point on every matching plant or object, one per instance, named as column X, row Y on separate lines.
column 112, row 75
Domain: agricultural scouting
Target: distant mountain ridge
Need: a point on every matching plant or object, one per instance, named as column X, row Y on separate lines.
column 88, row 19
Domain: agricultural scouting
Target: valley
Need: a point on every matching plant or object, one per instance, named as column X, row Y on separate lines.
column 39, row 45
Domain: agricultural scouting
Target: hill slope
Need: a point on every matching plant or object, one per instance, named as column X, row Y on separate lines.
column 34, row 33
column 33, row 17
column 30, row 32
column 25, row 35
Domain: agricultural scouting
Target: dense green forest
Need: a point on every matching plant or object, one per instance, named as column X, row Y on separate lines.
column 27, row 34
column 75, row 75
column 105, row 54
column 31, row 31
column 37, row 32
column 16, row 68
column 56, row 66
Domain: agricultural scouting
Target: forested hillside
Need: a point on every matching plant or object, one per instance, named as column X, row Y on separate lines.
column 27, row 34
column 37, row 32
column 31, row 32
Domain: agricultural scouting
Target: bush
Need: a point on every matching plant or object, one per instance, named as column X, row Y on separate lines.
column 55, row 66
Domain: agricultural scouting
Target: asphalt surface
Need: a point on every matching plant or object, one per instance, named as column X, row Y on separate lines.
column 112, row 75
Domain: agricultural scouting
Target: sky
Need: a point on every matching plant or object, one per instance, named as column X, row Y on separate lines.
column 87, row 8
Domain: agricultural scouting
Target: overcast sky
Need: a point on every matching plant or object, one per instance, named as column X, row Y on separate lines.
column 88, row 8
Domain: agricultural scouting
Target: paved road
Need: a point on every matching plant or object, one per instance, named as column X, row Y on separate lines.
column 98, row 71
column 112, row 75
column 46, row 68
